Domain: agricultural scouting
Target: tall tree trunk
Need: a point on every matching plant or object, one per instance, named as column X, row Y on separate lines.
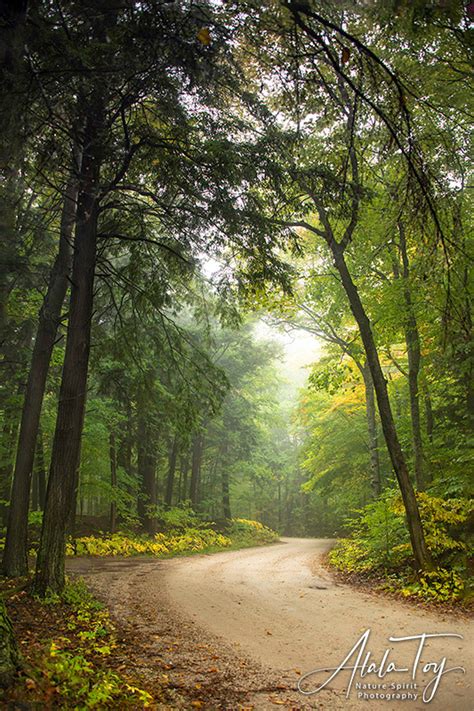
column 40, row 469
column 34, row 490
column 371, row 417
column 14, row 76
column 417, row 538
column 15, row 557
column 468, row 368
column 39, row 474
column 180, row 480
column 146, row 449
column 279, row 503
column 173, row 453
column 12, row 416
column 113, row 483
column 124, row 455
column 184, row 471
column 141, row 446
column 198, row 445
column 7, row 449
column 225, row 491
column 62, row 482
column 429, row 417
column 412, row 338
column 150, row 490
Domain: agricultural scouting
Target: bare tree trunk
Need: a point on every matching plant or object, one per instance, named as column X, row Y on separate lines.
column 146, row 474
column 198, row 444
column 41, row 469
column 62, row 482
column 15, row 557
column 412, row 338
column 467, row 338
column 371, row 416
column 12, row 417
column 279, row 503
column 39, row 474
column 225, row 488
column 184, row 471
column 14, row 75
column 141, row 444
column 171, row 471
column 420, row 550
column 113, row 483
column 428, row 413
column 9, row 431
column 34, row 490
column 124, row 456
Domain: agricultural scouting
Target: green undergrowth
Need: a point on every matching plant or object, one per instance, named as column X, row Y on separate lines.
column 179, row 540
column 76, row 671
column 66, row 663
column 378, row 547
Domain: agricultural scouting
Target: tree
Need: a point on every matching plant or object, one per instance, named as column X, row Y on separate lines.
column 335, row 190
column 15, row 556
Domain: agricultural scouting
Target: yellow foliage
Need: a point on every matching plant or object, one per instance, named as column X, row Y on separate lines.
column 204, row 36
column 161, row 545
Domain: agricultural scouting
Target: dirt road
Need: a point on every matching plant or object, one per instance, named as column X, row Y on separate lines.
column 277, row 611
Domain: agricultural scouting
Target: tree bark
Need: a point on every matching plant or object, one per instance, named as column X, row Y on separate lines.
column 184, row 471
column 13, row 80
column 225, row 492
column 124, row 455
column 41, row 469
column 62, row 482
column 113, row 483
column 428, row 413
column 146, row 474
column 371, row 417
column 15, row 557
column 9, row 431
column 171, row 472
column 198, row 445
column 12, row 414
column 412, row 338
column 420, row 551
column 39, row 474
column 279, row 503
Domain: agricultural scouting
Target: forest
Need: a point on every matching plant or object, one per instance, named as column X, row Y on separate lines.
column 235, row 251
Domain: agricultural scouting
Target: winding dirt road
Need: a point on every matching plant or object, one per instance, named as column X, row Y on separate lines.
column 269, row 616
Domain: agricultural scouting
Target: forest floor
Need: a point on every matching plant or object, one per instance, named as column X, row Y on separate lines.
column 238, row 629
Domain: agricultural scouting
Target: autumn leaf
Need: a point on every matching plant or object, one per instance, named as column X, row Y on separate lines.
column 345, row 55
column 204, row 36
